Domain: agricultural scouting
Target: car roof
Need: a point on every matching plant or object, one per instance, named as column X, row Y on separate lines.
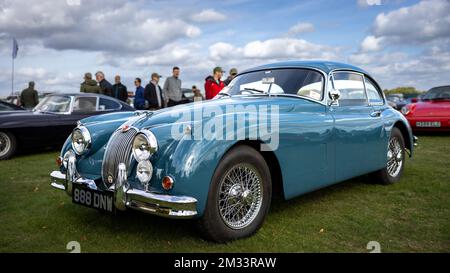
column 81, row 95
column 325, row 66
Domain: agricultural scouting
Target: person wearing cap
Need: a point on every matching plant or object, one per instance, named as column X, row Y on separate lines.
column 214, row 83
column 172, row 89
column 153, row 93
column 233, row 74
column 89, row 85
column 29, row 97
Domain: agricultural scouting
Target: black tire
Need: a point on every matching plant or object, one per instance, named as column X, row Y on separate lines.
column 212, row 224
column 385, row 177
column 8, row 145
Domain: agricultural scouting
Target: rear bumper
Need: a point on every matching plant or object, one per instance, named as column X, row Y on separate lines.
column 168, row 206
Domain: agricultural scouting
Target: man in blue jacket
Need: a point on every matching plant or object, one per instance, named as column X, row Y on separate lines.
column 139, row 98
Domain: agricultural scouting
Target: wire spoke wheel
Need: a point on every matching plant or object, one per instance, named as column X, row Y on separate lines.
column 240, row 196
column 5, row 144
column 394, row 157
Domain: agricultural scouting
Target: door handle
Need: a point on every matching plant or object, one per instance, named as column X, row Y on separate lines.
column 376, row 114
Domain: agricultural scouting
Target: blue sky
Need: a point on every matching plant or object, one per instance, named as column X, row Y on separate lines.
column 395, row 40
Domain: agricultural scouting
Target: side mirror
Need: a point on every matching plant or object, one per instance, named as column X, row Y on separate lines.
column 414, row 100
column 335, row 94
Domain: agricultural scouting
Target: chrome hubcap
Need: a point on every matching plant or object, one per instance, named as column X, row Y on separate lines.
column 5, row 144
column 395, row 157
column 240, row 196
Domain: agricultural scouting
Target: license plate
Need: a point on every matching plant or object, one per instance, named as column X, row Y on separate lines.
column 99, row 200
column 428, row 124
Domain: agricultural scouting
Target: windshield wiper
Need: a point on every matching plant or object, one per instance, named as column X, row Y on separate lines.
column 254, row 89
column 225, row 94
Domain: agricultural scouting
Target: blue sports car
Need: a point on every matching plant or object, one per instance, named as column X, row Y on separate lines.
column 287, row 128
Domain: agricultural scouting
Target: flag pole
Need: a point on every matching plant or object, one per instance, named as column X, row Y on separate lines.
column 12, row 77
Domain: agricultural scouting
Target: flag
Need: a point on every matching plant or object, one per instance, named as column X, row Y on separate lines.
column 15, row 48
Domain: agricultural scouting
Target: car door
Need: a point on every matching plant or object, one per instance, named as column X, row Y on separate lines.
column 357, row 127
column 377, row 102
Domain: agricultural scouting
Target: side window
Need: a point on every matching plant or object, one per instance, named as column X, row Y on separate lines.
column 373, row 93
column 85, row 104
column 352, row 89
column 106, row 105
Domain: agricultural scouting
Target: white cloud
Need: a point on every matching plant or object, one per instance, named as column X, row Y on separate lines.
column 301, row 27
column 208, row 16
column 422, row 23
column 88, row 26
column 371, row 43
column 278, row 48
column 171, row 54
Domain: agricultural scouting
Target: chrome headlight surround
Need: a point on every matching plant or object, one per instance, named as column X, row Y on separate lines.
column 405, row 110
column 81, row 140
column 144, row 145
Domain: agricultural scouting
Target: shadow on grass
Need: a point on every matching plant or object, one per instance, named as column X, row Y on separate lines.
column 150, row 228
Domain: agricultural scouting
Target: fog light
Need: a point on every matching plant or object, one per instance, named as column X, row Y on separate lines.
column 167, row 183
column 144, row 172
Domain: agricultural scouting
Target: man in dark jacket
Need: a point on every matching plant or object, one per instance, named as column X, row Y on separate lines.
column 29, row 97
column 105, row 86
column 89, row 85
column 119, row 90
column 153, row 93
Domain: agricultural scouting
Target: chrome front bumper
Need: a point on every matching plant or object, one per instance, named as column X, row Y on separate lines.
column 168, row 206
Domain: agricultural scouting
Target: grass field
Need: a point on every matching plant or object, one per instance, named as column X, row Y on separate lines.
column 411, row 216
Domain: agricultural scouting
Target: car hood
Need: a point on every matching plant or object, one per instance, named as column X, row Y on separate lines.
column 432, row 108
column 212, row 108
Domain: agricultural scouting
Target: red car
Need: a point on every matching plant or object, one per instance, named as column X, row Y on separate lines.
column 432, row 112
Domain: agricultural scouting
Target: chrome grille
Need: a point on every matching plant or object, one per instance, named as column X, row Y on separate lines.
column 118, row 151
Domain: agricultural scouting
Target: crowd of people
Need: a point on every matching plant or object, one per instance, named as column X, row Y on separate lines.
column 150, row 97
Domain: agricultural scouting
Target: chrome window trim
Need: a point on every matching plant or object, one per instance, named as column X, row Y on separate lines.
column 353, row 72
column 106, row 110
column 76, row 97
column 380, row 92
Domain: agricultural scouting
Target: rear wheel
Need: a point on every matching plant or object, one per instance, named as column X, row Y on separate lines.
column 395, row 160
column 8, row 145
column 239, row 196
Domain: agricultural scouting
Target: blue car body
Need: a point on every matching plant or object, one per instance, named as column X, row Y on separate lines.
column 319, row 145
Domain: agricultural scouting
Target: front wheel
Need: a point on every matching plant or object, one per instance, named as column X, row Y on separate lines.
column 8, row 145
column 395, row 160
column 239, row 196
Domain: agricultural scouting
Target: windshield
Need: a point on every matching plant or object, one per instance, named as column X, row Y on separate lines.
column 301, row 82
column 54, row 104
column 438, row 93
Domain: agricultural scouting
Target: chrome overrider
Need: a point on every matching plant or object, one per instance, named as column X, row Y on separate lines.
column 168, row 206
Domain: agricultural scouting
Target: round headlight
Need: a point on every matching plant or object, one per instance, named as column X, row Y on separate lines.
column 144, row 172
column 81, row 140
column 144, row 145
column 405, row 110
